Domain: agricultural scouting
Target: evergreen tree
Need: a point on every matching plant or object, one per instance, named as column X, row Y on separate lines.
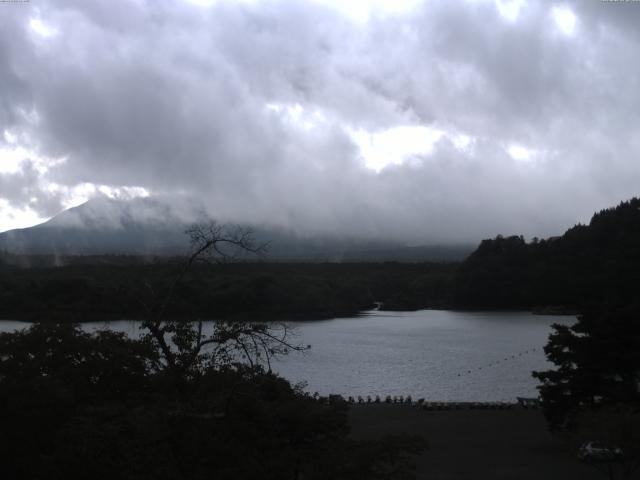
column 598, row 363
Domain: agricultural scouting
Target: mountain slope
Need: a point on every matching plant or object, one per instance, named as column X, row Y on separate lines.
column 589, row 264
column 107, row 226
column 146, row 226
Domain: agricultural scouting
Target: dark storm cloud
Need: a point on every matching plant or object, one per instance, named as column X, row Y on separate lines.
column 180, row 99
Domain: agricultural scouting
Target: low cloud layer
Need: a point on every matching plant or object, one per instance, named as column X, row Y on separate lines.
column 513, row 117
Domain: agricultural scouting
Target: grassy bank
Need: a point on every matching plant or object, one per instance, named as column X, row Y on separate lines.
column 477, row 444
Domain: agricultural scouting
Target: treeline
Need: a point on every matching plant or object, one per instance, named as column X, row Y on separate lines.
column 589, row 265
column 85, row 292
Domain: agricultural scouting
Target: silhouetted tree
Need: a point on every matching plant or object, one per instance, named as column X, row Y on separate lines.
column 98, row 405
column 594, row 392
column 185, row 348
column 597, row 363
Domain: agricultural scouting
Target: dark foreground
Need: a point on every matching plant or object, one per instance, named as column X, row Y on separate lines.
column 477, row 444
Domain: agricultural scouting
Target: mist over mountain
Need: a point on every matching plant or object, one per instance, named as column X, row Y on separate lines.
column 107, row 226
column 420, row 125
column 155, row 226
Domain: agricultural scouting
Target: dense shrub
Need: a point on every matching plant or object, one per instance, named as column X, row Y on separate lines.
column 79, row 405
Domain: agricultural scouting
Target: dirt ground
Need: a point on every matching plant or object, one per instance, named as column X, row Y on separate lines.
column 477, row 444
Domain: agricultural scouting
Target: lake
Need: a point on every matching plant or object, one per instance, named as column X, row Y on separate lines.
column 439, row 355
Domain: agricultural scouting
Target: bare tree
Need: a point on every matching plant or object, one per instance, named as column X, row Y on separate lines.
column 184, row 346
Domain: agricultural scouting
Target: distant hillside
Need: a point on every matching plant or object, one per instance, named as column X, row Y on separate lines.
column 146, row 226
column 105, row 226
column 100, row 291
column 589, row 264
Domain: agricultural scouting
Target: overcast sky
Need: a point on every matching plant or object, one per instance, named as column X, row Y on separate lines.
column 423, row 121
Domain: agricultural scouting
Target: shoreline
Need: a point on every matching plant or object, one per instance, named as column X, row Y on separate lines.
column 294, row 317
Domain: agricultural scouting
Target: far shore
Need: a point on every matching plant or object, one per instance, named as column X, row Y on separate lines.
column 284, row 316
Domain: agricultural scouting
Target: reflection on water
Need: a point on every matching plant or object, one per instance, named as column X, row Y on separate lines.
column 438, row 355
column 434, row 354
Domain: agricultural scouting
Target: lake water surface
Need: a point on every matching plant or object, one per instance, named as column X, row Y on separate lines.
column 438, row 355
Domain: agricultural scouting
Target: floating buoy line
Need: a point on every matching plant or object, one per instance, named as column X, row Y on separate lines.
column 506, row 359
column 427, row 405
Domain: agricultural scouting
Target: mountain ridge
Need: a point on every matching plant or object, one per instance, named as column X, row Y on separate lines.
column 598, row 263
column 150, row 226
